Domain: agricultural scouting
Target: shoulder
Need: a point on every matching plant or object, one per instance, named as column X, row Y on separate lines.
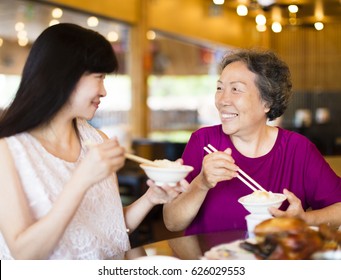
column 6, row 156
column 89, row 133
column 292, row 137
column 296, row 144
column 208, row 131
column 3, row 144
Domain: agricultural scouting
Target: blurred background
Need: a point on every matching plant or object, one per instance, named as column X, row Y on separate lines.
column 169, row 53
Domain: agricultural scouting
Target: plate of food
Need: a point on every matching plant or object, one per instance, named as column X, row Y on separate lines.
column 229, row 251
column 289, row 238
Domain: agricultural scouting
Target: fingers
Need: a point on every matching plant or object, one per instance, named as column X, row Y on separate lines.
column 292, row 199
column 217, row 167
column 109, row 153
column 276, row 212
column 180, row 160
column 163, row 194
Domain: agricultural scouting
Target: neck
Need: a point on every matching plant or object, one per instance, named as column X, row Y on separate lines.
column 256, row 144
column 58, row 132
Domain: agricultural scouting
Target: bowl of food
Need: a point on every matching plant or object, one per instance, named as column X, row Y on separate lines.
column 259, row 202
column 166, row 172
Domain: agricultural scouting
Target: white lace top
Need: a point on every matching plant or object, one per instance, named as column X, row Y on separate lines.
column 98, row 230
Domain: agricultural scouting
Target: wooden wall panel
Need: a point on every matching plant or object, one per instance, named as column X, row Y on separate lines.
column 314, row 57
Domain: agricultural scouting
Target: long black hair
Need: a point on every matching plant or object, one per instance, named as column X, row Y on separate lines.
column 57, row 60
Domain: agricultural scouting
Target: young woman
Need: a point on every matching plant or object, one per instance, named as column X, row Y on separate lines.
column 59, row 195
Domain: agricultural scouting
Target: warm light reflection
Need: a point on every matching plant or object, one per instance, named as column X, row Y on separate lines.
column 1, row 42
column 318, row 26
column 19, row 26
column 22, row 34
column 151, row 35
column 319, row 12
column 92, row 21
column 57, row 13
column 53, row 22
column 261, row 27
column 112, row 36
column 22, row 42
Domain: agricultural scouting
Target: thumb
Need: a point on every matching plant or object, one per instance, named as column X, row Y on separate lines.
column 228, row 151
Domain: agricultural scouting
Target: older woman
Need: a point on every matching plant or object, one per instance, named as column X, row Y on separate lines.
column 254, row 87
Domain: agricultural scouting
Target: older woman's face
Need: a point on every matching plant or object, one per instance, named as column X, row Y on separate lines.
column 238, row 101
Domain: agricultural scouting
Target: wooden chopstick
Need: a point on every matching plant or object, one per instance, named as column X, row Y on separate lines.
column 211, row 149
column 140, row 159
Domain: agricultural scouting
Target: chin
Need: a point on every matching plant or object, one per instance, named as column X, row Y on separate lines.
column 228, row 130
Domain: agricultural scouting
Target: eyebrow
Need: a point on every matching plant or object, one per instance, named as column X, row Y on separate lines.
column 233, row 82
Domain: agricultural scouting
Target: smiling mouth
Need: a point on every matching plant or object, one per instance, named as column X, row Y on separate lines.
column 96, row 104
column 228, row 116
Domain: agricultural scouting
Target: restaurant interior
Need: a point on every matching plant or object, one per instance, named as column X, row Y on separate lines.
column 169, row 53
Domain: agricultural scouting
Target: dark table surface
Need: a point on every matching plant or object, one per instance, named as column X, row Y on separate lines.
column 186, row 247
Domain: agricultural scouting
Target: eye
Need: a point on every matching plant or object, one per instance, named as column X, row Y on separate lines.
column 236, row 89
column 100, row 76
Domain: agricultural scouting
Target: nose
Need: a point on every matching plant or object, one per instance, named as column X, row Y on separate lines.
column 103, row 92
column 224, row 98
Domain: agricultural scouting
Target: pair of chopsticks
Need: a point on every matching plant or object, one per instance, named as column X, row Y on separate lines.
column 140, row 159
column 132, row 157
column 255, row 187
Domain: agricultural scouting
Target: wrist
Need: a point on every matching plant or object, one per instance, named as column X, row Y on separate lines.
column 202, row 184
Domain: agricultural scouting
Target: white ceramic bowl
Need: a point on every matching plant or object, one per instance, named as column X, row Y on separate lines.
column 166, row 175
column 256, row 204
column 254, row 219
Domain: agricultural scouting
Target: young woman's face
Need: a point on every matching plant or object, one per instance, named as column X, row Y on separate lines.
column 85, row 99
column 238, row 101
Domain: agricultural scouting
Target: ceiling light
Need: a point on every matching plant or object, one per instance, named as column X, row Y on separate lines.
column 218, row 2
column 293, row 9
column 276, row 27
column 265, row 3
column 260, row 19
column 318, row 25
column 242, row 10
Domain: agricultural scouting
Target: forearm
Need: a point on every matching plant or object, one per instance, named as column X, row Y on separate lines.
column 136, row 212
column 40, row 238
column 330, row 215
column 181, row 211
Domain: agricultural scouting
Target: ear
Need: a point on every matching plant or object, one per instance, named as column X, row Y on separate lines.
column 266, row 107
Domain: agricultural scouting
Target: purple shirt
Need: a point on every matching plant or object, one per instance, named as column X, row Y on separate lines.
column 293, row 163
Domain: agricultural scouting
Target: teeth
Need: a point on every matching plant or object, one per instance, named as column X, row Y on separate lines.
column 229, row 116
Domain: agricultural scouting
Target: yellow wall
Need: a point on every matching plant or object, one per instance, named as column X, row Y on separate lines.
column 124, row 10
column 190, row 18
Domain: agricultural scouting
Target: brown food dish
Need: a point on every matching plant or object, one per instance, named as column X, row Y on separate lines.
column 291, row 239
